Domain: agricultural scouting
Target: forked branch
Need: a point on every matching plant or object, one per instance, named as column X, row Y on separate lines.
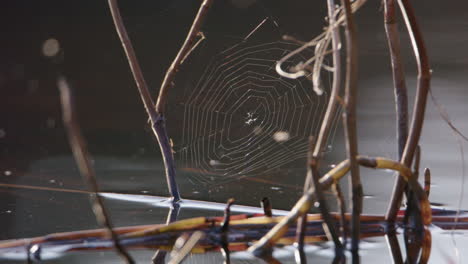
column 156, row 113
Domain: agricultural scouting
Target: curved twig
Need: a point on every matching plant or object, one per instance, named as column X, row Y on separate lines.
column 261, row 247
column 349, row 120
column 82, row 157
column 417, row 120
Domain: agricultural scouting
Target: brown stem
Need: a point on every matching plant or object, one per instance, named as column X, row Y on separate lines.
column 300, row 236
column 333, row 101
column 168, row 81
column 327, row 121
column 417, row 121
column 394, row 246
column 266, row 205
column 157, row 117
column 342, row 205
column 349, row 119
column 427, row 181
column 83, row 160
column 399, row 84
column 329, row 223
column 132, row 60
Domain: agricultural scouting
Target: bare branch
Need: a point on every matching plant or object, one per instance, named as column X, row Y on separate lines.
column 424, row 77
column 133, row 61
column 168, row 81
column 157, row 117
column 349, row 119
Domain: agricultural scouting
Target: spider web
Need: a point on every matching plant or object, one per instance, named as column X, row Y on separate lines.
column 242, row 119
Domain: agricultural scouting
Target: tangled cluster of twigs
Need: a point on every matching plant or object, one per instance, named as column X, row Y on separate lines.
column 336, row 227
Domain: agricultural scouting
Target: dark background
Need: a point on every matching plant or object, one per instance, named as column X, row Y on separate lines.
column 34, row 150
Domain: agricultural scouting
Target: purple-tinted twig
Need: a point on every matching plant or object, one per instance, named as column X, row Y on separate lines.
column 349, row 119
column 160, row 255
column 225, row 232
column 157, row 120
column 83, row 160
column 424, row 77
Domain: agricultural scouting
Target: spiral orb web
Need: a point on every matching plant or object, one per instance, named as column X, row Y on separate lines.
column 243, row 120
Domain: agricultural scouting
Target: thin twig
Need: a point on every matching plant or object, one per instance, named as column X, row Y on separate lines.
column 225, row 232
column 157, row 120
column 266, row 205
column 83, row 160
column 133, row 61
column 427, row 181
column 342, row 205
column 168, row 81
column 445, row 116
column 187, row 248
column 335, row 90
column 349, row 119
column 329, row 223
column 399, row 83
column 419, row 110
column 331, row 107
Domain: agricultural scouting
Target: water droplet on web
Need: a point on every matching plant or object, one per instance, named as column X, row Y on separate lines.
column 7, row 173
column 214, row 162
column 281, row 136
column 332, row 166
column 52, row 181
column 275, row 188
column 8, row 211
column 316, row 204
